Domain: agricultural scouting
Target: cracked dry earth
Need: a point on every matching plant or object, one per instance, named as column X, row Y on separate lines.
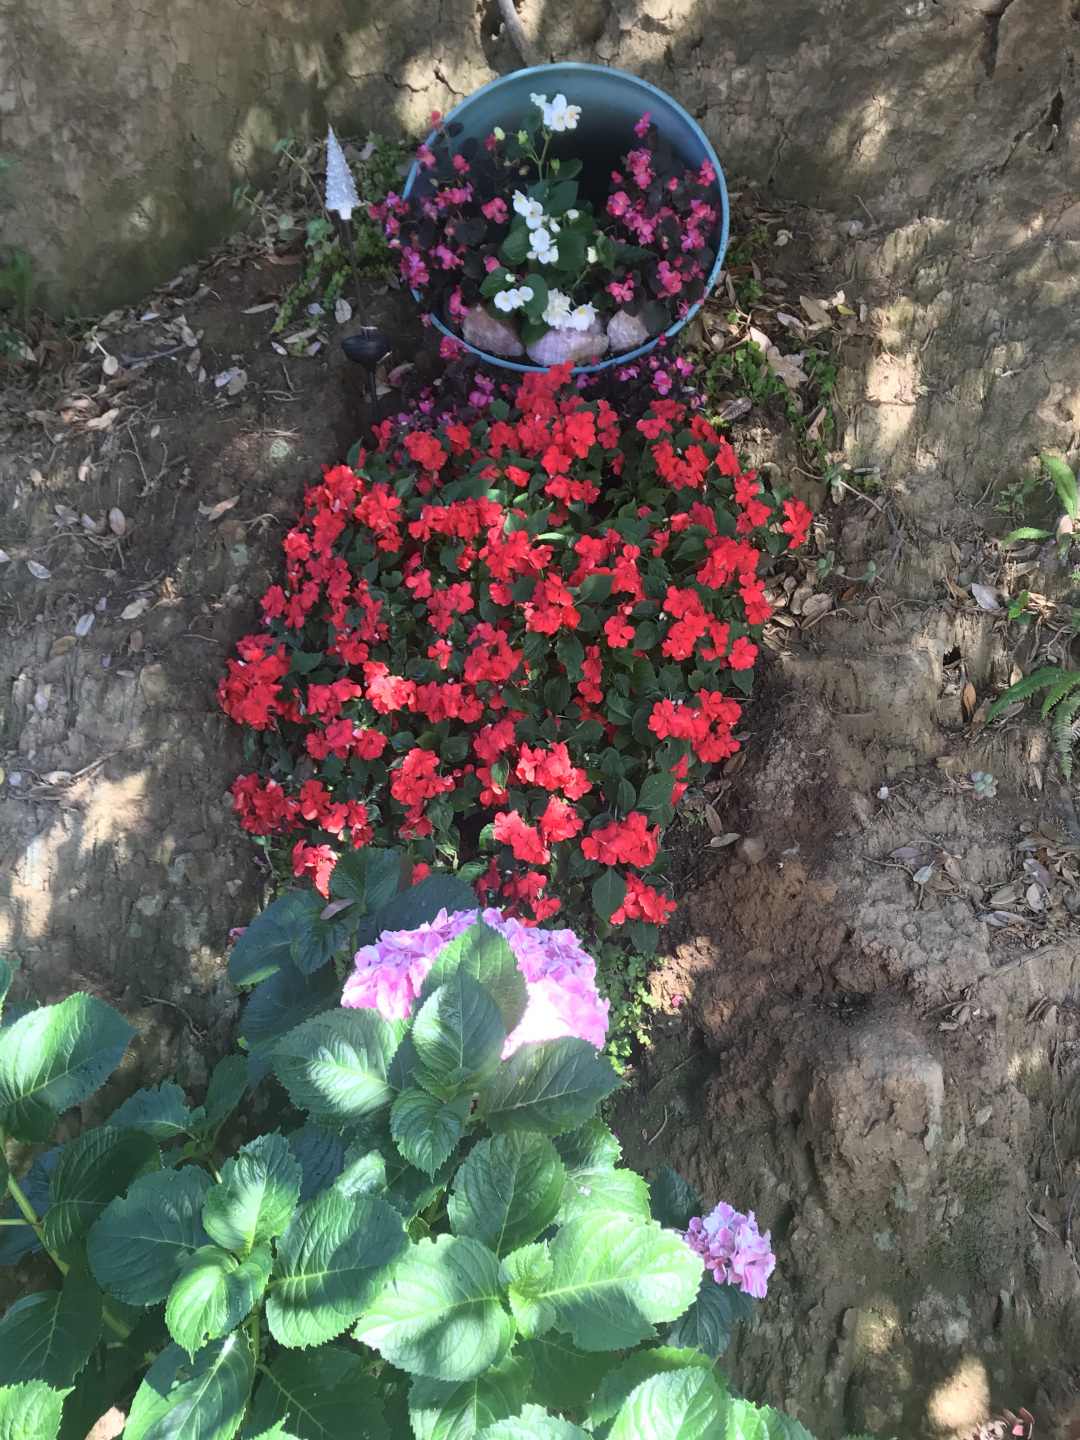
column 890, row 1082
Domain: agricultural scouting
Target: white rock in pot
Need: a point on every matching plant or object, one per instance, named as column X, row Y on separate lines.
column 558, row 346
column 487, row 332
column 626, row 331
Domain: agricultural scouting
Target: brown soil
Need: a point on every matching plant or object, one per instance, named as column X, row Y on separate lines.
column 888, row 1082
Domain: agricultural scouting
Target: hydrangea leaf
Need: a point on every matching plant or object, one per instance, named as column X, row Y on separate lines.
column 213, row 1294
column 320, row 1154
column 440, row 1314
column 592, row 1180
column 672, row 1201
column 368, row 876
column 159, row 1110
column 707, row 1324
column 443, row 1410
column 533, row 1423
column 225, row 1091
column 19, row 1240
column 49, row 1336
column 199, row 1399
column 30, row 1411
column 94, row 1169
column 256, row 1197
column 266, row 944
column 138, row 1247
column 458, row 1035
column 684, row 1404
column 7, row 974
column 564, row 1377
column 780, row 1426
column 485, row 955
column 278, row 1006
column 612, row 1282
column 322, row 1394
column 620, row 1382
column 527, row 1273
column 331, row 1260
column 550, row 1087
column 54, row 1058
column 507, row 1191
column 418, row 905
column 335, row 1065
column 427, row 1131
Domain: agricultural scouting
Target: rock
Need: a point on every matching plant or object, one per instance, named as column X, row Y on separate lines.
column 154, row 680
column 626, row 331
column 558, row 346
column 750, row 850
column 486, row 332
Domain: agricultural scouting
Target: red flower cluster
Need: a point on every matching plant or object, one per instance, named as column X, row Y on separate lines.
column 507, row 618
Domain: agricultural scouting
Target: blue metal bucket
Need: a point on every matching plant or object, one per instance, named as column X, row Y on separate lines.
column 612, row 102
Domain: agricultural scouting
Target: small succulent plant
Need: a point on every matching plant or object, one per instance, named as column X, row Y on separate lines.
column 985, row 784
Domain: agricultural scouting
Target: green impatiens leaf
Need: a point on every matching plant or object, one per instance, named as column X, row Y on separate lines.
column 672, row 1201
column 330, row 1262
column 612, row 1281
column 266, row 944
column 334, row 1065
column 49, row 1336
column 144, row 1238
column 214, row 1293
column 681, row 1405
column 485, row 955
column 30, row 1411
column 440, row 1313
column 564, row 1377
column 93, row 1170
column 707, row 1324
column 608, row 892
column 443, row 1410
column 426, row 1130
column 194, row 1399
column 54, row 1058
column 527, row 1273
column 533, row 1423
column 322, row 1394
column 458, row 1035
column 622, row 1381
column 257, row 1195
column 507, row 1191
column 160, row 1111
column 550, row 1087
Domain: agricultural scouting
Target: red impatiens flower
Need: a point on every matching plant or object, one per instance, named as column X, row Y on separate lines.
column 523, row 839
column 797, row 522
column 627, row 842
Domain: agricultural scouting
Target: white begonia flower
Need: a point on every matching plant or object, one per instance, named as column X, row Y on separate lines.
column 552, row 226
column 557, row 312
column 499, row 133
column 561, row 116
column 572, row 214
column 582, row 317
column 532, row 210
column 590, row 254
column 538, row 99
column 514, row 298
column 526, row 292
column 544, row 248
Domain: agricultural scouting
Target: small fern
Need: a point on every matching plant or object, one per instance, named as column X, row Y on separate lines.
column 1063, row 699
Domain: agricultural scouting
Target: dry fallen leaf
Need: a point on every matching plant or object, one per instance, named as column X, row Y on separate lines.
column 814, row 607
column 985, row 598
column 815, row 310
column 716, row 825
column 135, row 641
column 84, row 623
column 5, row 558
column 215, row 512
column 110, row 365
column 62, row 646
column 258, row 309
column 850, row 593
column 135, row 609
column 39, row 572
column 342, row 310
column 968, row 700
column 956, row 592
column 103, row 422
column 117, row 521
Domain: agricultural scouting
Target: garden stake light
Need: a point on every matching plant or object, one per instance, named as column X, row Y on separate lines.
column 370, row 345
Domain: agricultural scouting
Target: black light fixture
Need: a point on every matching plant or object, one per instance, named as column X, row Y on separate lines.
column 369, row 347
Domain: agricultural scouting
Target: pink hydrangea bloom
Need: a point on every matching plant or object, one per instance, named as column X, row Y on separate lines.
column 560, row 977
column 733, row 1249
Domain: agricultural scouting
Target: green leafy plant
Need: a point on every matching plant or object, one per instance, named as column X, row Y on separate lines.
column 1064, row 482
column 445, row 1243
column 1063, row 700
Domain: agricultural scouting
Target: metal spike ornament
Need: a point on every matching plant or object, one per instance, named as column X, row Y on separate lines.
column 369, row 346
